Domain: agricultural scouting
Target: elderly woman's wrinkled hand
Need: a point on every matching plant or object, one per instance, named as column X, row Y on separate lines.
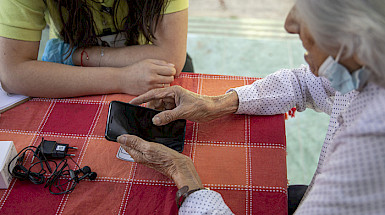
column 169, row 162
column 180, row 103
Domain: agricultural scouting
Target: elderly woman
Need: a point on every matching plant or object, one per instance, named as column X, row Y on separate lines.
column 345, row 41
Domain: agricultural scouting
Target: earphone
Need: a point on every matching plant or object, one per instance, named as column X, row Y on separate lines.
column 86, row 171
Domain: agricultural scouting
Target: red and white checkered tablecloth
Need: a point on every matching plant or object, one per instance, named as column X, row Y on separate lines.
column 242, row 157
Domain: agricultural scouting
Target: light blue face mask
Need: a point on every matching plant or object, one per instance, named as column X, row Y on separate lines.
column 341, row 79
column 56, row 51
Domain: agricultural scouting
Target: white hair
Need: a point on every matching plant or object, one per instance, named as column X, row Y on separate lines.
column 356, row 25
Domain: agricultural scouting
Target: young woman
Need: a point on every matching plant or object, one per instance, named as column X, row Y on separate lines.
column 124, row 46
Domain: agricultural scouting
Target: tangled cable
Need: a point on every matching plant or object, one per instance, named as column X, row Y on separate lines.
column 61, row 180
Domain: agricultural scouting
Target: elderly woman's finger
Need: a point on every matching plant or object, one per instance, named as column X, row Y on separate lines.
column 135, row 146
column 156, row 104
column 167, row 116
column 169, row 103
column 154, row 94
column 133, row 142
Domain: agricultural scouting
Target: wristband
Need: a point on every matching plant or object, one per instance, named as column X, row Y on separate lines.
column 183, row 193
column 81, row 56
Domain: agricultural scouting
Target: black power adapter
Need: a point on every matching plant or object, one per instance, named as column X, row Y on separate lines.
column 53, row 150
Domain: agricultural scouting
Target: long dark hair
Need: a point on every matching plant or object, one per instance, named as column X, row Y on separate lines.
column 79, row 27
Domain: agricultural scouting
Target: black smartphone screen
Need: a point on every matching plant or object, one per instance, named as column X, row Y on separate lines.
column 125, row 118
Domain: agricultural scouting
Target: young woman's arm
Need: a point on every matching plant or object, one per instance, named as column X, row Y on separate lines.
column 170, row 46
column 21, row 73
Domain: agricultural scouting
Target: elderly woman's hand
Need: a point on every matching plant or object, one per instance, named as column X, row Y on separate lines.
column 180, row 103
column 169, row 162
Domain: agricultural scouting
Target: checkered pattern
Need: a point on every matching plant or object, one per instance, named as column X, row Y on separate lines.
column 241, row 157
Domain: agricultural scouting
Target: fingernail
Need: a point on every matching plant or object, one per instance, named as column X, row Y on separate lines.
column 122, row 139
column 156, row 120
column 170, row 64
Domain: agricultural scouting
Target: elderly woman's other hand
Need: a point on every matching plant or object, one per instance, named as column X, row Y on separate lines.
column 180, row 103
column 169, row 162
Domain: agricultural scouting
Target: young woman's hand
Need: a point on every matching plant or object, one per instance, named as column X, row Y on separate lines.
column 147, row 74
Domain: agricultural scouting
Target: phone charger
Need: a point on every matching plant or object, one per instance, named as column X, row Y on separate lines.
column 7, row 152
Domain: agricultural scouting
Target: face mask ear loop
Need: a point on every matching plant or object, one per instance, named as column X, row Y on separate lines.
column 339, row 54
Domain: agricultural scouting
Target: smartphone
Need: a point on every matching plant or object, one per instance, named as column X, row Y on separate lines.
column 125, row 118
